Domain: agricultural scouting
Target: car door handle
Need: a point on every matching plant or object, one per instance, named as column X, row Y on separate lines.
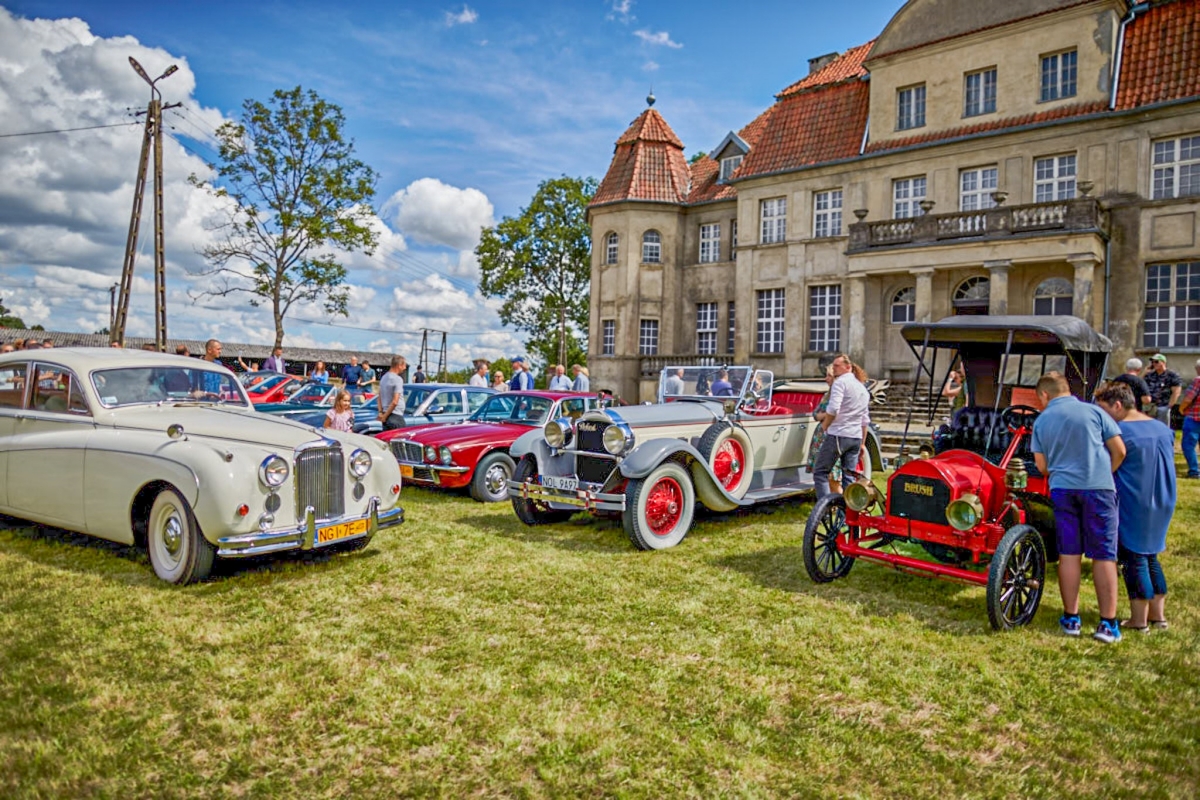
column 782, row 428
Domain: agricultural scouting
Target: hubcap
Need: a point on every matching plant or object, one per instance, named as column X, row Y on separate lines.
column 172, row 535
column 495, row 479
column 728, row 462
column 664, row 506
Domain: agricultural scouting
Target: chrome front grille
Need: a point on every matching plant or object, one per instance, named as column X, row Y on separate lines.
column 321, row 482
column 590, row 435
column 407, row 452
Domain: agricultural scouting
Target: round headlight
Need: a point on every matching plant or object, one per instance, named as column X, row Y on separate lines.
column 430, row 453
column 615, row 440
column 860, row 495
column 360, row 463
column 447, row 459
column 965, row 512
column 273, row 471
column 558, row 433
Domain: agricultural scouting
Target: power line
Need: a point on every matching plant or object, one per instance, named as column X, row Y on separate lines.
column 66, row 130
column 379, row 330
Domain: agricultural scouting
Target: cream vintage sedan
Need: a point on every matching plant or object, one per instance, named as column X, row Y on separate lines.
column 166, row 452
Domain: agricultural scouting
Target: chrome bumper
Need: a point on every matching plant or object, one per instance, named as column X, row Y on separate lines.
column 305, row 537
column 580, row 498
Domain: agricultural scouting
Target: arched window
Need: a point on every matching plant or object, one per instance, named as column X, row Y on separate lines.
column 651, row 248
column 612, row 244
column 904, row 306
column 971, row 296
column 1054, row 296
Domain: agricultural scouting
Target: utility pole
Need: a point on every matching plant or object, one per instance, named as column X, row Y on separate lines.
column 153, row 133
column 423, row 358
column 112, row 306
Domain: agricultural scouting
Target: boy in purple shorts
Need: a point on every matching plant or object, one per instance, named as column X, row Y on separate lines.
column 1079, row 447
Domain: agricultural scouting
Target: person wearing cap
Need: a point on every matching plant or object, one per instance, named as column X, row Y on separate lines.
column 1190, row 408
column 521, row 381
column 1165, row 386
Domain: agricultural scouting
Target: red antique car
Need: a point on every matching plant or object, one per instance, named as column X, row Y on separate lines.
column 474, row 453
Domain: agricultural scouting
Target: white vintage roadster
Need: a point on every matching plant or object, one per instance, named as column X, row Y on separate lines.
column 166, row 452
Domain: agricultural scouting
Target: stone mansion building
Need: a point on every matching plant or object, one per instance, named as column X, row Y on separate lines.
column 1020, row 157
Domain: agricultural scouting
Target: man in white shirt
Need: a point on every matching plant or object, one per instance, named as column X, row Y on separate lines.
column 560, row 382
column 844, row 421
column 521, row 381
column 480, row 377
column 275, row 362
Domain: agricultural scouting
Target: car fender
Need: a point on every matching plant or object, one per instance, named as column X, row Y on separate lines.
column 873, row 447
column 709, row 491
column 533, row 441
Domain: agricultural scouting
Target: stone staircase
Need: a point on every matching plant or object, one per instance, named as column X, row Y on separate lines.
column 891, row 415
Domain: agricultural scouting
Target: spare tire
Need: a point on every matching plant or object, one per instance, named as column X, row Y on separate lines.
column 730, row 456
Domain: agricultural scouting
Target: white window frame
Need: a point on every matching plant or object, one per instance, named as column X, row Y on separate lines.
column 774, row 220
column 729, row 165
column 608, row 337
column 910, row 107
column 733, row 240
column 1172, row 305
column 1054, row 178
column 710, row 243
column 1175, row 167
column 1058, row 293
column 612, row 248
column 827, row 213
column 907, row 194
column 770, row 334
column 730, row 327
column 979, row 92
column 825, row 318
column 651, row 247
column 706, row 329
column 1058, row 78
column 975, row 187
column 904, row 305
column 648, row 337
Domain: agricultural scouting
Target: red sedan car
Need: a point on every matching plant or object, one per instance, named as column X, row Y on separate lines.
column 474, row 453
column 272, row 388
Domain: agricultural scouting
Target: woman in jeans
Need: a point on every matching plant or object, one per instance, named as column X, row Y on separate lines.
column 1145, row 503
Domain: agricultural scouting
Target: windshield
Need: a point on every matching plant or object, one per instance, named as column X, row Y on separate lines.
column 312, row 393
column 266, row 384
column 138, row 385
column 414, row 397
column 702, row 382
column 517, row 408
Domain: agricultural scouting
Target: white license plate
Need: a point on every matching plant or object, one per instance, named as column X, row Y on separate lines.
column 565, row 484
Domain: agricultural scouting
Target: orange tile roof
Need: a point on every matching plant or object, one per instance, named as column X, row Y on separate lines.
column 648, row 165
column 649, row 127
column 845, row 67
column 1161, row 59
column 705, row 171
column 810, row 127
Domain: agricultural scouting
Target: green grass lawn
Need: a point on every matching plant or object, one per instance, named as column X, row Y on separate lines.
column 464, row 654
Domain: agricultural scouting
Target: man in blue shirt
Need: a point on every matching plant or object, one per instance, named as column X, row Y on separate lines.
column 1079, row 447
column 351, row 374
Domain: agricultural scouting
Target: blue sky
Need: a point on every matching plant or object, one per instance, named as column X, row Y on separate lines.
column 461, row 109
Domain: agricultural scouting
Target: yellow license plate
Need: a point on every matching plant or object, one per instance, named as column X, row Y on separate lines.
column 405, row 471
column 341, row 531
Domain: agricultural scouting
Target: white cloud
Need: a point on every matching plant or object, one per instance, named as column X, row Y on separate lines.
column 467, row 16
column 622, row 11
column 661, row 38
column 650, row 66
column 432, row 212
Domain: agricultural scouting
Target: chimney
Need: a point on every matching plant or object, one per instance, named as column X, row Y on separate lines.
column 816, row 64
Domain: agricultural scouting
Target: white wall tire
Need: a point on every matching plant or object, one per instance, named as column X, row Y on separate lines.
column 178, row 550
column 730, row 456
column 659, row 508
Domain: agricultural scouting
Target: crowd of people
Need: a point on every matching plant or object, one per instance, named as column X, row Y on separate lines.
column 25, row 344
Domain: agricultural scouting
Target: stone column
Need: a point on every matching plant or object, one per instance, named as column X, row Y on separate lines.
column 924, row 306
column 997, row 285
column 856, row 307
column 1082, row 304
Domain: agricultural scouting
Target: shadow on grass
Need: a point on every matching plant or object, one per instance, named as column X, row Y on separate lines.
column 581, row 533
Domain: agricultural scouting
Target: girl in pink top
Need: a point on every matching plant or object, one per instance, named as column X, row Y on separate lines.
column 340, row 417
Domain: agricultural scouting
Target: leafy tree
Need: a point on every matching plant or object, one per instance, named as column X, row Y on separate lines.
column 9, row 321
column 298, row 195
column 539, row 263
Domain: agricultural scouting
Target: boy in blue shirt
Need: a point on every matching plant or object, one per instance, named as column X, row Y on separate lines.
column 1079, row 447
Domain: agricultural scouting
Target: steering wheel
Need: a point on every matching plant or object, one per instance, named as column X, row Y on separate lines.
column 1018, row 417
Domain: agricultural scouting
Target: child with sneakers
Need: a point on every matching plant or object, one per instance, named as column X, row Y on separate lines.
column 1079, row 447
column 1145, row 504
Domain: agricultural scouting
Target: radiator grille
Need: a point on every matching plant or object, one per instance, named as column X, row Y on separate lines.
column 407, row 452
column 591, row 469
column 921, row 499
column 320, row 482
column 591, row 435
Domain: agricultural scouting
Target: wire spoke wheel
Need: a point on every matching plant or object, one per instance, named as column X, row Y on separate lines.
column 823, row 561
column 659, row 508
column 1016, row 578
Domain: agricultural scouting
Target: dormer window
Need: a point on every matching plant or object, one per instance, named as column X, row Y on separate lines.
column 728, row 165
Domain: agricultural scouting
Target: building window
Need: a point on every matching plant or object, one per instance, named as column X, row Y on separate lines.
column 1053, row 178
column 1173, row 305
column 973, row 294
column 904, row 306
column 976, row 187
column 710, row 243
column 907, row 194
column 608, row 337
column 827, row 213
column 730, row 328
column 1177, row 168
column 979, row 96
column 1053, row 296
column 706, row 329
column 774, row 220
column 651, row 248
column 728, row 166
column 1058, row 75
column 824, row 318
column 648, row 337
column 733, row 240
column 612, row 246
column 770, row 322
column 910, row 107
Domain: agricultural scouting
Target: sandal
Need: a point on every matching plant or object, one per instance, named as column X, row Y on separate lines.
column 1160, row 624
column 1126, row 626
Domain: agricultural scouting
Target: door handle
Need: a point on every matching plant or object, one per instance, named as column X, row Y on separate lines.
column 782, row 428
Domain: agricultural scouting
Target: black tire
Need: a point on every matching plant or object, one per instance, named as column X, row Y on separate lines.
column 660, row 508
column 1016, row 578
column 178, row 550
column 730, row 456
column 490, row 482
column 528, row 511
column 822, row 559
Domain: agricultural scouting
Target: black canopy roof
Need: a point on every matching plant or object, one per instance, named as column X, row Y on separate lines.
column 1030, row 333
